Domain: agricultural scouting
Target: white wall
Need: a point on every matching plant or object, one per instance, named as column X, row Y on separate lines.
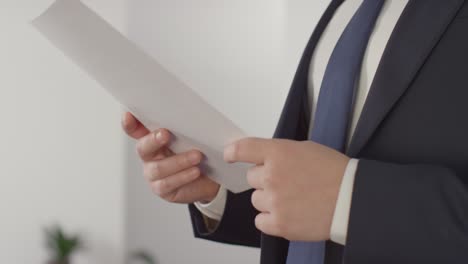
column 230, row 52
column 62, row 156
column 61, row 149
column 240, row 56
column 302, row 16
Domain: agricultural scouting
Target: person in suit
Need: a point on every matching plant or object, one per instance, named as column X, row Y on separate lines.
column 369, row 162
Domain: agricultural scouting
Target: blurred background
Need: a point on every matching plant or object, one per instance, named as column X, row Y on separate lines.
column 64, row 161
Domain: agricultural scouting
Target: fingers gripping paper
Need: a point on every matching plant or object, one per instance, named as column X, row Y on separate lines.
column 155, row 96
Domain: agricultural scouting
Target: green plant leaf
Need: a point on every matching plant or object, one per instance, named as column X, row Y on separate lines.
column 144, row 257
column 61, row 245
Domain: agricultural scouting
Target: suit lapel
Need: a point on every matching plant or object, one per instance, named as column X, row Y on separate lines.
column 420, row 27
column 293, row 124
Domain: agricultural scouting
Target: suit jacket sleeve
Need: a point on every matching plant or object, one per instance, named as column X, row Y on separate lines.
column 237, row 225
column 407, row 214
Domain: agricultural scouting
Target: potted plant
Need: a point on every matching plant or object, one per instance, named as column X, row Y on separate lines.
column 61, row 246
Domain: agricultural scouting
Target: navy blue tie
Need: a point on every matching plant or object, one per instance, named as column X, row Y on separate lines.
column 335, row 103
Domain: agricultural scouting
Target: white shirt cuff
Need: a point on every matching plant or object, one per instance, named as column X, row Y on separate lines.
column 339, row 227
column 214, row 209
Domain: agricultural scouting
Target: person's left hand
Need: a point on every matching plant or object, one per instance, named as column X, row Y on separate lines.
column 297, row 185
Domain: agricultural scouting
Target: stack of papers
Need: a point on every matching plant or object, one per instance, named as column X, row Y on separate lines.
column 154, row 95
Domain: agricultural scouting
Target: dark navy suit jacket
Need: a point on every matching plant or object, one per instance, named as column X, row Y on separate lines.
column 410, row 198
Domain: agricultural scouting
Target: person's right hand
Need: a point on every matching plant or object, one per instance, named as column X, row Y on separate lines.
column 174, row 177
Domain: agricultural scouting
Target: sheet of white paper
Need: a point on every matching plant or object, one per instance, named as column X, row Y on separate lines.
column 154, row 95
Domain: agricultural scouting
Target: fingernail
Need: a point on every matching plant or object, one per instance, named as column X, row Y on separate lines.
column 194, row 157
column 127, row 125
column 159, row 137
column 229, row 152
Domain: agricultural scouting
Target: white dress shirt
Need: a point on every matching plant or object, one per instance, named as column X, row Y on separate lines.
column 385, row 24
